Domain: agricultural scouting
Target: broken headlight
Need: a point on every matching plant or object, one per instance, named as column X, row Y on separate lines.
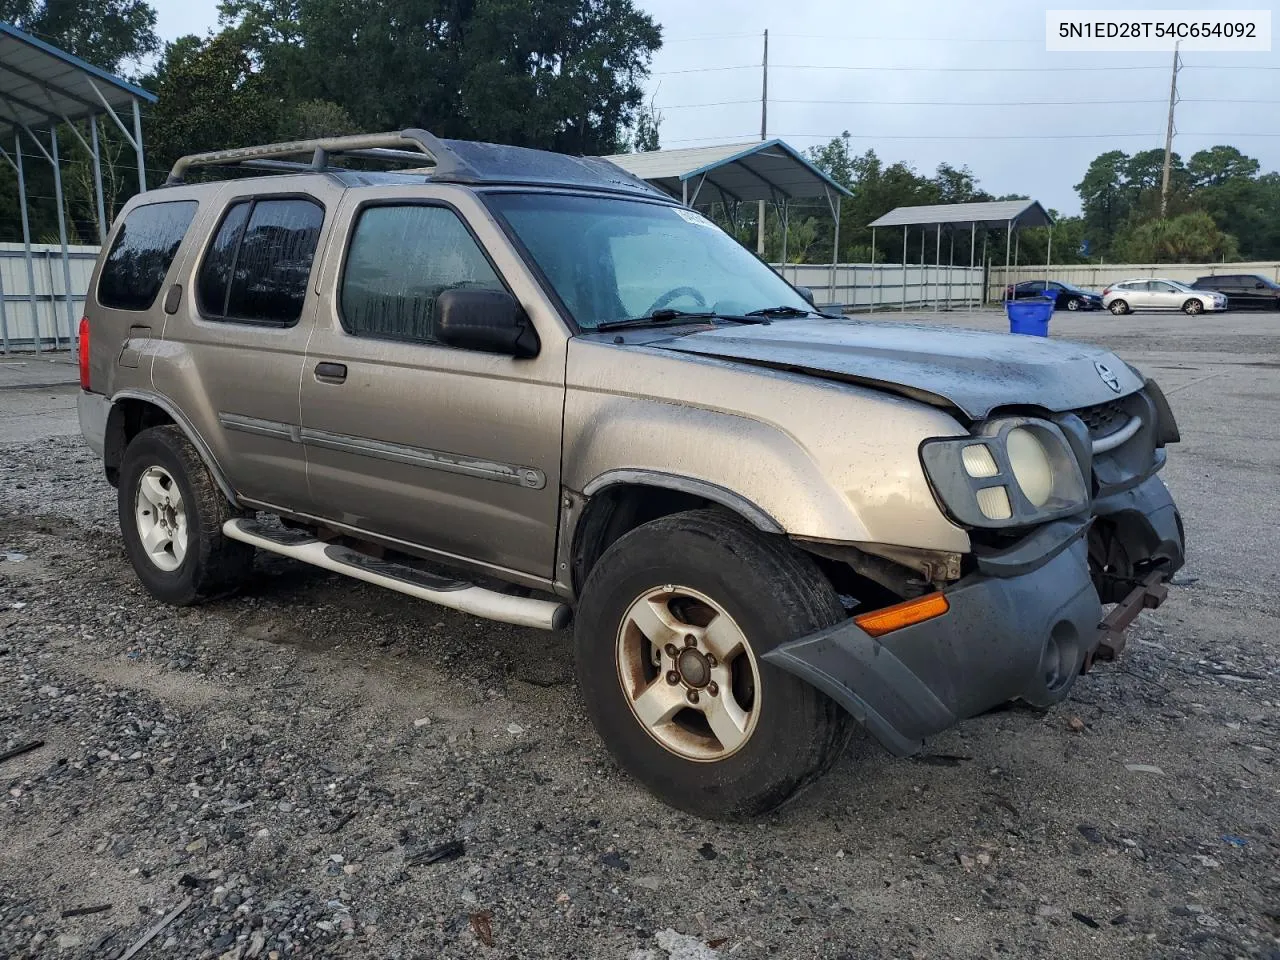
column 1011, row 472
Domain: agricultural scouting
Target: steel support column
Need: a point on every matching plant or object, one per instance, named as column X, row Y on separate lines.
column 1008, row 242
column 924, row 274
column 786, row 228
column 137, row 142
column 903, row 305
column 973, row 243
column 835, row 249
column 937, row 267
column 26, row 244
column 951, row 267
column 97, row 178
column 875, row 290
column 62, row 239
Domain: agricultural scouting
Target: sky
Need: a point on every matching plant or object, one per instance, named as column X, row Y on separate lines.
column 961, row 83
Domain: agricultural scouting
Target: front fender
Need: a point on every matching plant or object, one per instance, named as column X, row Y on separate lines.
column 807, row 457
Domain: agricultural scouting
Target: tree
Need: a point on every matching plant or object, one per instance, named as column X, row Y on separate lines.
column 1105, row 199
column 1220, row 165
column 110, row 34
column 210, row 98
column 1121, row 194
column 1187, row 238
column 558, row 74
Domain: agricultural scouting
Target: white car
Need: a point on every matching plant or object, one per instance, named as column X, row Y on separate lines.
column 1157, row 293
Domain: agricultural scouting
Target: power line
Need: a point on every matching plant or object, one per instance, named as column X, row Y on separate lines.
column 896, row 69
column 733, row 139
column 946, row 103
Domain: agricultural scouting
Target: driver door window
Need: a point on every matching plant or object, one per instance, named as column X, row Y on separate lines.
column 400, row 260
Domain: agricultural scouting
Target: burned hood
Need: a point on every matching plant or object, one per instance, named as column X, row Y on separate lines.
column 969, row 369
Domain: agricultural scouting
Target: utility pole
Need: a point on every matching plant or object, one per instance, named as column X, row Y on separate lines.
column 764, row 133
column 1168, row 137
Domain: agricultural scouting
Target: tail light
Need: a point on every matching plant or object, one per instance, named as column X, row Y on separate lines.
column 1106, row 291
column 83, row 347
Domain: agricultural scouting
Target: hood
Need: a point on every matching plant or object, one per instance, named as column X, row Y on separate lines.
column 971, row 370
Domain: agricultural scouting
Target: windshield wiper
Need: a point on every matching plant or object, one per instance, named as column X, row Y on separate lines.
column 780, row 312
column 669, row 315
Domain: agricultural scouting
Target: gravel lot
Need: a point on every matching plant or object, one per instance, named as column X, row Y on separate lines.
column 289, row 765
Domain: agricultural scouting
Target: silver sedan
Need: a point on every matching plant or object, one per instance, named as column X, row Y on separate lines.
column 1160, row 294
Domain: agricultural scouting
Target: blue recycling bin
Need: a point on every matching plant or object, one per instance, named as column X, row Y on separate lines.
column 1030, row 317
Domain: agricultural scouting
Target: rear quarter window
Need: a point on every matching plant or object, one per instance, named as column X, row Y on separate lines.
column 142, row 253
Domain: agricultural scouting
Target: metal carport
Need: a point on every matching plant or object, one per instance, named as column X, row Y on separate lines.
column 769, row 171
column 1010, row 214
column 40, row 88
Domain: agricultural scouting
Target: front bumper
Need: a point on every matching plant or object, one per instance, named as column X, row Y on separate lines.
column 1023, row 626
column 1003, row 638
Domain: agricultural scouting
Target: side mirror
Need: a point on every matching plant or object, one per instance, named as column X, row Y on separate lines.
column 490, row 321
column 807, row 294
column 1259, row 286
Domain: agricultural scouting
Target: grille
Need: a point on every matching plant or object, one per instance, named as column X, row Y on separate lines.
column 1104, row 419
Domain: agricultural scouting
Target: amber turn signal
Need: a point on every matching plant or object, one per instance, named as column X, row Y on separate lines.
column 879, row 622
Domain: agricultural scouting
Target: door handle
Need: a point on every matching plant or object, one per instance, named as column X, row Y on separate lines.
column 331, row 372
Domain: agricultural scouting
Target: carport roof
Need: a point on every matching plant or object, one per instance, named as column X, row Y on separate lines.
column 766, row 170
column 41, row 85
column 994, row 213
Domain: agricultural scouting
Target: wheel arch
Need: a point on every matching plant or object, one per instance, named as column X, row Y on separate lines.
column 133, row 411
column 618, row 501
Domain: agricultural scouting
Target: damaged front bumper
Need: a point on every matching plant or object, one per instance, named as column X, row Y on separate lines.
column 1023, row 626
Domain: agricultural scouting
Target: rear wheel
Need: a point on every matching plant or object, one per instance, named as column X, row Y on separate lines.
column 1119, row 307
column 171, row 517
column 670, row 640
column 1192, row 307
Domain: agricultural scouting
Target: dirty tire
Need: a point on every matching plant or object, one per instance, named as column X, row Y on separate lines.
column 1119, row 308
column 213, row 565
column 775, row 593
column 1192, row 307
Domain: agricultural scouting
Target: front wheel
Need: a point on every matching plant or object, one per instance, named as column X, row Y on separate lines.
column 1118, row 308
column 171, row 517
column 1192, row 307
column 1074, row 304
column 670, row 636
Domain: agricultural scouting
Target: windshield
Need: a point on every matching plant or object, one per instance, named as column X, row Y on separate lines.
column 1179, row 285
column 612, row 260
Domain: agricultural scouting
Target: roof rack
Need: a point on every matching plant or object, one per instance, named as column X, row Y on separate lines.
column 408, row 146
column 425, row 154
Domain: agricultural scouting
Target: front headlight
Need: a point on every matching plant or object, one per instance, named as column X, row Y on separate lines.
column 1031, row 467
column 1011, row 472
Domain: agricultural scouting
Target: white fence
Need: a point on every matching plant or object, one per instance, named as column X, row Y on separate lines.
column 887, row 286
column 1094, row 276
column 42, row 319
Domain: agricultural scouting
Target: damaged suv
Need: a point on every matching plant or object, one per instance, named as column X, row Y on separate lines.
column 532, row 388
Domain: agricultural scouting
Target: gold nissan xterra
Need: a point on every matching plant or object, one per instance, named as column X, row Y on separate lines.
column 533, row 388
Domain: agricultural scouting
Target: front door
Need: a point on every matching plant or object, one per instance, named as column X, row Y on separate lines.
column 453, row 450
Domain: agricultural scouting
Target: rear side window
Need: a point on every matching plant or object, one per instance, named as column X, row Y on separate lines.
column 400, row 259
column 259, row 265
column 142, row 253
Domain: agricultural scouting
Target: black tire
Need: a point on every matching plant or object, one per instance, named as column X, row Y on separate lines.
column 1193, row 307
column 777, row 593
column 1118, row 308
column 213, row 565
column 1075, row 304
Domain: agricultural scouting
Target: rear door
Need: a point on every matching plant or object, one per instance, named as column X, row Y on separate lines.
column 452, row 450
column 1137, row 294
column 235, row 346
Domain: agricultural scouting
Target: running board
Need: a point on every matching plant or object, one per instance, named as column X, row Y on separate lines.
column 455, row 594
